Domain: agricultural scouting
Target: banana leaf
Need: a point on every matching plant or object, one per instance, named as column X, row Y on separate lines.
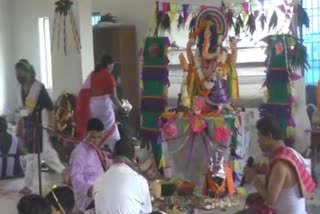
column 192, row 23
column 263, row 20
column 180, row 22
column 251, row 24
column 166, row 23
column 238, row 26
column 229, row 16
column 303, row 18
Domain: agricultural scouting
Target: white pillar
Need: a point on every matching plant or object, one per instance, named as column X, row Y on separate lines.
column 85, row 24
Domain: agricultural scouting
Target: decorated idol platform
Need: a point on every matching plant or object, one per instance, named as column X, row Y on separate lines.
column 202, row 146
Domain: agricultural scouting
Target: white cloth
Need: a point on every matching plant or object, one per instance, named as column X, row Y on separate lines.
column 51, row 158
column 31, row 99
column 121, row 190
column 290, row 202
column 102, row 108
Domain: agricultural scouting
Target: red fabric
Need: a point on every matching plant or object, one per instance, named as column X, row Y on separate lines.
column 102, row 83
column 306, row 181
column 83, row 112
column 256, row 204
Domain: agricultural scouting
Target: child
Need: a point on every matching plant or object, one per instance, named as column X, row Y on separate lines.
column 33, row 204
column 61, row 199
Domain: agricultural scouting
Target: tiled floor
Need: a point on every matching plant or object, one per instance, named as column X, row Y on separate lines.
column 9, row 189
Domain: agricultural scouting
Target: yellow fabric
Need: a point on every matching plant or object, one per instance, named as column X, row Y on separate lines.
column 219, row 122
column 244, row 16
column 173, row 11
column 233, row 77
column 30, row 103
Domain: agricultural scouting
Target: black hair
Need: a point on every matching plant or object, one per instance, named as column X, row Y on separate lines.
column 3, row 125
column 269, row 125
column 214, row 39
column 125, row 148
column 26, row 66
column 33, row 204
column 62, row 195
column 94, row 124
column 105, row 61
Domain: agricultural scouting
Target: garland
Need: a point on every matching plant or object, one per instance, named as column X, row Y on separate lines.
column 63, row 9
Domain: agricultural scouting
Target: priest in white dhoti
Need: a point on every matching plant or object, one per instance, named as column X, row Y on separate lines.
column 122, row 189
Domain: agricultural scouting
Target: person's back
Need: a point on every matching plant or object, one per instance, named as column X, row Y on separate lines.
column 288, row 179
column 122, row 190
column 290, row 200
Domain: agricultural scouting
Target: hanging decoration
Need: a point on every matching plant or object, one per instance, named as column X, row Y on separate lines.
column 154, row 96
column 244, row 17
column 180, row 22
column 279, row 85
column 63, row 11
column 166, row 23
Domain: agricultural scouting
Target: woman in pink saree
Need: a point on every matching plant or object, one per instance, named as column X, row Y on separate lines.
column 97, row 99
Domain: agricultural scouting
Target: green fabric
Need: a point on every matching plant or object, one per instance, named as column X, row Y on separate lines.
column 284, row 125
column 153, row 88
column 150, row 120
column 155, row 60
column 278, row 92
column 157, row 151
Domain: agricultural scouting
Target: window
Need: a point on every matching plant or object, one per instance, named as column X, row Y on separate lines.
column 96, row 17
column 311, row 38
column 45, row 52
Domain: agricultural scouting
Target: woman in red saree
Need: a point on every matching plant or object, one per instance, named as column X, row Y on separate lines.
column 97, row 99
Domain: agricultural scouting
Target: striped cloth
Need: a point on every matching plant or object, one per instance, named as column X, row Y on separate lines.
column 307, row 184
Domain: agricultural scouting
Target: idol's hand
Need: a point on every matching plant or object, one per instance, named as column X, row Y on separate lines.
column 233, row 44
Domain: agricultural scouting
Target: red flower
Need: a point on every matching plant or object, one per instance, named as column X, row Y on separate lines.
column 279, row 48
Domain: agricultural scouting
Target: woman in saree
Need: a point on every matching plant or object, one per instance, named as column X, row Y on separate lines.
column 97, row 99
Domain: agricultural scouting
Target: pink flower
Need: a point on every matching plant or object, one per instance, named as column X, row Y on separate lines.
column 170, row 130
column 198, row 125
column 222, row 134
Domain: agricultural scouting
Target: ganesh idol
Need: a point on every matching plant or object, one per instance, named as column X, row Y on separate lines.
column 211, row 71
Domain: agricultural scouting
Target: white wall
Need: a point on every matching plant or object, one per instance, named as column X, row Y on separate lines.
column 139, row 12
column 26, row 30
column 66, row 69
column 7, row 75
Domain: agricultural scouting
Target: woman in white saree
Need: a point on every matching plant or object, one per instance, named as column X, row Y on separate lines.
column 97, row 99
